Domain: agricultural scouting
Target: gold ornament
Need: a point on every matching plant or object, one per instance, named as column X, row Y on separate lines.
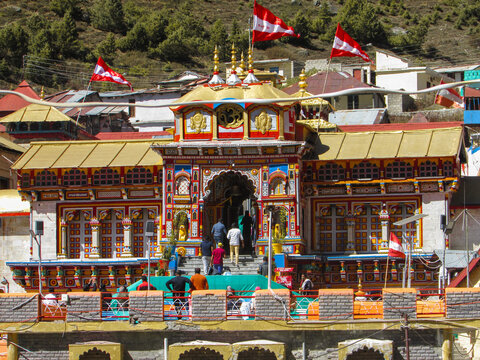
column 198, row 122
column 263, row 122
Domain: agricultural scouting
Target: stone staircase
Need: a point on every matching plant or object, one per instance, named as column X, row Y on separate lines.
column 246, row 265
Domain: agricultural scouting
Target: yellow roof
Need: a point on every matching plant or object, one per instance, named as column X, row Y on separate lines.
column 36, row 113
column 11, row 202
column 219, row 92
column 316, row 124
column 311, row 102
column 88, row 154
column 390, row 144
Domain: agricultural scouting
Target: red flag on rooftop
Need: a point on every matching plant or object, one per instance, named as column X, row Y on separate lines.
column 267, row 26
column 344, row 45
column 395, row 248
column 103, row 73
column 449, row 98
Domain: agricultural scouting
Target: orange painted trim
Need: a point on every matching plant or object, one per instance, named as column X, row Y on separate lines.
column 145, row 293
column 399, row 290
column 276, row 291
column 209, row 292
column 24, row 295
column 15, row 214
column 459, row 290
column 85, row 294
column 335, row 292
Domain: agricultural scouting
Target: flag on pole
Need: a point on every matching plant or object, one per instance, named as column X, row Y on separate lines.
column 267, row 26
column 395, row 248
column 103, row 73
column 449, row 98
column 344, row 45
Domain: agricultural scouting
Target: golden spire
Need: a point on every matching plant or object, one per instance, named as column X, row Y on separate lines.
column 215, row 61
column 250, row 60
column 250, row 79
column 42, row 93
column 302, row 84
column 242, row 63
column 234, row 60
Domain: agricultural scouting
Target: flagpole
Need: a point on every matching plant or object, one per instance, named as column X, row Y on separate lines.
column 324, row 86
column 386, row 272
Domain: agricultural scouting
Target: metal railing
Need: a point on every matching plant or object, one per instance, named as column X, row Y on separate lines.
column 241, row 305
column 177, row 305
column 430, row 303
column 114, row 307
column 304, row 305
column 368, row 304
column 51, row 309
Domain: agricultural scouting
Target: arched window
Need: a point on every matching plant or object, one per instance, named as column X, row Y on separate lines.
column 106, row 176
column 365, row 170
column 399, row 169
column 331, row 172
column 139, row 176
column 428, row 169
column 448, row 169
column 74, row 177
column 277, row 186
column 182, row 185
column 46, row 178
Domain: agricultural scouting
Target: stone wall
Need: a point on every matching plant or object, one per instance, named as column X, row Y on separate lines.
column 462, row 303
column 146, row 306
column 84, row 306
column 272, row 304
column 335, row 304
column 209, row 305
column 18, row 307
column 398, row 302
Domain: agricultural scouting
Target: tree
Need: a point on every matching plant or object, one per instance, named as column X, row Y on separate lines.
column 136, row 39
column 61, row 7
column 107, row 48
column 219, row 37
column 239, row 37
column 66, row 39
column 360, row 20
column 302, row 26
column 322, row 21
column 107, row 15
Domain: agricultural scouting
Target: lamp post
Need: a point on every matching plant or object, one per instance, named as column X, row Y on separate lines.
column 149, row 235
column 38, row 232
column 406, row 221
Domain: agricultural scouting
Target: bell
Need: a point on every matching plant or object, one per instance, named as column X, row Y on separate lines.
column 236, row 191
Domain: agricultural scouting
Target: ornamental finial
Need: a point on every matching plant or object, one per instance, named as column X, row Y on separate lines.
column 215, row 61
column 234, row 60
column 302, row 84
column 242, row 63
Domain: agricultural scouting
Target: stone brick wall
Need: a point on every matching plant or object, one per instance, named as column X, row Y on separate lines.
column 146, row 306
column 18, row 307
column 335, row 304
column 398, row 302
column 209, row 305
column 462, row 303
column 272, row 304
column 84, row 306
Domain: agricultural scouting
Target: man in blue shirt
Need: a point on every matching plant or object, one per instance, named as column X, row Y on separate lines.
column 219, row 232
column 207, row 247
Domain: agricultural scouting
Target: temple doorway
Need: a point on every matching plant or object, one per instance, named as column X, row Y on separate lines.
column 230, row 195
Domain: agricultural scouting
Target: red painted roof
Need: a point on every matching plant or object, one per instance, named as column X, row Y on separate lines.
column 10, row 103
column 131, row 135
column 336, row 81
column 399, row 126
column 463, row 274
column 471, row 92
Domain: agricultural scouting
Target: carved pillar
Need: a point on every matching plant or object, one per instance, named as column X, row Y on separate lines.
column 95, row 225
column 63, row 239
column 384, row 220
column 350, row 233
column 281, row 130
column 246, row 125
column 60, row 274
column 127, row 237
column 215, row 127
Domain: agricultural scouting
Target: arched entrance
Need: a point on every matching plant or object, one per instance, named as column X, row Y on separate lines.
column 366, row 354
column 229, row 195
column 256, row 353
column 201, row 354
column 95, row 354
column 360, row 349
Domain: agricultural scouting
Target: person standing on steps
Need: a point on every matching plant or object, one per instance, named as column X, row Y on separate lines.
column 217, row 259
column 247, row 229
column 219, row 231
column 235, row 237
column 207, row 248
column 199, row 281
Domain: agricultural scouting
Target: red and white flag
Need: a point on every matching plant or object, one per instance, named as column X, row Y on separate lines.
column 344, row 45
column 449, row 98
column 395, row 248
column 267, row 26
column 103, row 73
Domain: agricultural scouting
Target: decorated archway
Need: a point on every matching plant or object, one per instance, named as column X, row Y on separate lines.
column 365, row 349
column 200, row 354
column 95, row 354
column 257, row 353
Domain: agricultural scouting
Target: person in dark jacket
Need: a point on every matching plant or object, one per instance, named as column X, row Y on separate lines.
column 177, row 286
column 144, row 284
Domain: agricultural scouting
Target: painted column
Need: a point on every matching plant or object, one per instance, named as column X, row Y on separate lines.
column 281, row 130
column 351, row 233
column 215, row 127
column 246, row 125
column 95, row 225
column 127, row 237
column 182, row 128
column 384, row 220
column 158, row 224
column 63, row 239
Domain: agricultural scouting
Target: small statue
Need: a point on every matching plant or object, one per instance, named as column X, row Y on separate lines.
column 182, row 233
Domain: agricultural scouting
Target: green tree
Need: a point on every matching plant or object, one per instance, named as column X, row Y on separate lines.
column 303, row 27
column 175, row 47
column 136, row 39
column 239, row 37
column 322, row 21
column 107, row 48
column 13, row 44
column 107, row 15
column 66, row 39
column 155, row 25
column 360, row 20
column 219, row 37
column 61, row 7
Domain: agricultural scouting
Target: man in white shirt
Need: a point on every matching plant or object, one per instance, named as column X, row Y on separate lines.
column 234, row 237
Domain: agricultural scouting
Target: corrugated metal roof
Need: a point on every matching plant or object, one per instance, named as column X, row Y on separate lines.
column 89, row 154
column 356, row 117
column 36, row 113
column 394, row 144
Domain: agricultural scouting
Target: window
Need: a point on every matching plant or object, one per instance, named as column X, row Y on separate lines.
column 428, row 169
column 139, row 176
column 182, row 186
column 74, row 177
column 331, row 172
column 308, row 176
column 368, row 228
column 365, row 170
column 353, row 102
column 332, row 230
column 106, row 176
column 399, row 169
column 448, row 169
column 25, row 180
column 277, row 186
column 46, row 178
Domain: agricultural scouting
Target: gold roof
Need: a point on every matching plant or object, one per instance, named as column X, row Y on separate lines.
column 390, row 144
column 36, row 113
column 311, row 102
column 219, row 92
column 89, row 154
column 316, row 124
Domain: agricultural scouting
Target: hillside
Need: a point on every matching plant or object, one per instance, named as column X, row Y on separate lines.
column 56, row 43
